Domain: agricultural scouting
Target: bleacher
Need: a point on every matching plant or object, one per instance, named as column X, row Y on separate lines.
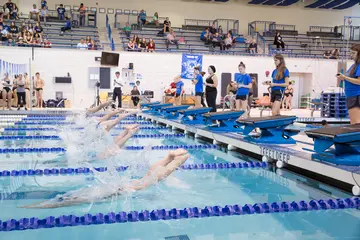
column 192, row 44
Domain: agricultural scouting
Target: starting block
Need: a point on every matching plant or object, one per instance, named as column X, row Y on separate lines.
column 172, row 112
column 346, row 140
column 146, row 105
column 226, row 121
column 272, row 129
column 194, row 115
column 155, row 109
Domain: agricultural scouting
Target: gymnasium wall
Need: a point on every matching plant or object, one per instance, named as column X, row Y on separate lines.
column 157, row 70
column 179, row 10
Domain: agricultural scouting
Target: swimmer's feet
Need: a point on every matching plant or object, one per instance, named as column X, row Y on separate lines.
column 177, row 153
column 132, row 129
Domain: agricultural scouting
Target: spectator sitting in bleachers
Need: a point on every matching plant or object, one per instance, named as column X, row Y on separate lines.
column 22, row 28
column 171, row 39
column 253, row 46
column 30, row 28
column 3, row 34
column 220, row 31
column 61, row 12
column 88, row 40
column 38, row 29
column 228, row 41
column 43, row 4
column 28, row 38
column 155, row 19
column 46, row 43
column 82, row 45
column 34, row 12
column 142, row 45
column 14, row 30
column 127, row 30
column 8, row 7
column 44, row 13
column 212, row 29
column 217, row 41
column 131, row 46
column 167, row 25
column 82, row 11
column 151, row 45
column 278, row 41
column 142, row 17
column 66, row 27
column 92, row 45
column 1, row 20
column 332, row 54
column 136, row 39
column 21, row 42
column 37, row 40
column 206, row 36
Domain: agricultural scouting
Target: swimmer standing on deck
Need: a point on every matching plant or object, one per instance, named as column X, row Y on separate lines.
column 157, row 172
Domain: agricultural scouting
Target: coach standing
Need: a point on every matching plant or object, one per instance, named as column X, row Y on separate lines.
column 117, row 93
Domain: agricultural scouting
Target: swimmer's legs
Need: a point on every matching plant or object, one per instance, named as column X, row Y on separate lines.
column 98, row 108
column 110, row 115
column 108, row 125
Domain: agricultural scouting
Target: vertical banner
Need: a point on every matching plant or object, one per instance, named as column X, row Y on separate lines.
column 189, row 61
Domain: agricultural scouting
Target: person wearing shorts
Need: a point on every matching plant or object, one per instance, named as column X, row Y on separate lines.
column 198, row 81
column 244, row 83
column 179, row 90
column 352, row 85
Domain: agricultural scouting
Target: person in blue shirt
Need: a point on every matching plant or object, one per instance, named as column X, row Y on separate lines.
column 280, row 81
column 179, row 90
column 198, row 81
column 142, row 17
column 352, row 85
column 43, row 4
column 67, row 26
column 244, row 83
column 61, row 12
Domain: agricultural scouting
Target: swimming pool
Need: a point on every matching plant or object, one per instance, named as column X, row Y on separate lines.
column 185, row 188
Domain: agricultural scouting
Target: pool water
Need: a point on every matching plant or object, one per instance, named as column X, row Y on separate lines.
column 184, row 188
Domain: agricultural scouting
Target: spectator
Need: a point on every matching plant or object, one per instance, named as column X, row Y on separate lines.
column 1, row 20
column 206, row 36
column 167, row 25
column 212, row 29
column 131, row 46
column 253, row 46
column 46, row 43
column 331, row 54
column 217, row 41
column 66, row 27
column 228, row 41
column 135, row 96
column 14, row 12
column 278, row 41
column 37, row 40
column 82, row 11
column 155, row 19
column 142, row 17
column 14, row 30
column 30, row 28
column 142, row 45
column 21, row 42
column 8, row 8
column 136, row 39
column 5, row 14
column 34, row 12
column 127, row 30
column 22, row 28
column 88, row 40
column 44, row 4
column 220, row 31
column 92, row 45
column 38, row 29
column 151, row 45
column 170, row 39
column 44, row 13
column 61, row 12
column 3, row 34
column 28, row 39
column 82, row 45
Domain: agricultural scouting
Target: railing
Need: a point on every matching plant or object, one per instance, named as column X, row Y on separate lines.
column 320, row 29
column 260, row 40
column 261, row 26
column 350, row 32
column 275, row 27
column 198, row 22
column 227, row 25
column 111, row 39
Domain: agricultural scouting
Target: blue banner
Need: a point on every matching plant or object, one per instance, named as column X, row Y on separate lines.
column 189, row 61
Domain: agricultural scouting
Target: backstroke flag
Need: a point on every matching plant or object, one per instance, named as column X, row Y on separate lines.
column 189, row 61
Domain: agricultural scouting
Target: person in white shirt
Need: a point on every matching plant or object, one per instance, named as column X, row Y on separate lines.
column 82, row 45
column 117, row 93
column 34, row 12
column 138, row 86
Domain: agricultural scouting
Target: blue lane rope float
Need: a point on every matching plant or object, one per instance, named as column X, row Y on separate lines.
column 176, row 135
column 85, row 170
column 54, row 129
column 174, row 213
column 72, row 123
column 19, row 137
column 136, row 148
column 61, row 118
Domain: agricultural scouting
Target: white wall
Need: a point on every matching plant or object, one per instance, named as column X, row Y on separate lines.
column 157, row 70
column 179, row 10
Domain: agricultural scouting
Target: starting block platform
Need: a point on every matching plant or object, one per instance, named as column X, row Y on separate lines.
column 172, row 112
column 146, row 105
column 272, row 129
column 227, row 121
column 156, row 108
column 194, row 115
column 346, row 141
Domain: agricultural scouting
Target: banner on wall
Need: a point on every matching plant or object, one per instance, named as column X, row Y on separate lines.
column 189, row 61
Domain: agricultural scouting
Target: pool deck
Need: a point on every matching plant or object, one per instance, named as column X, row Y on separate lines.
column 289, row 154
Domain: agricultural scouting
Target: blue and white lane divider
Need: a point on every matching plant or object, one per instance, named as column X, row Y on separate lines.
column 60, row 149
column 72, row 123
column 175, row 213
column 19, row 137
column 85, row 170
column 54, row 129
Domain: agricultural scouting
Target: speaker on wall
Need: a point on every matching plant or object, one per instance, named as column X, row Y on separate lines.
column 131, row 65
column 111, row 59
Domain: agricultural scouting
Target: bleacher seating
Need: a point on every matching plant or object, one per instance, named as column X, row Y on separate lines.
column 192, row 41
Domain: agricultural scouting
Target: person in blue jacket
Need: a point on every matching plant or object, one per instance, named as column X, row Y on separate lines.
column 352, row 85
column 244, row 83
column 280, row 80
column 67, row 26
column 198, row 81
column 179, row 90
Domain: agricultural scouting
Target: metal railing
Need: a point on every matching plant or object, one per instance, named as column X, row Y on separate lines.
column 274, row 27
column 109, row 31
column 260, row 26
column 131, row 16
column 227, row 25
column 198, row 22
column 320, row 29
column 350, row 32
